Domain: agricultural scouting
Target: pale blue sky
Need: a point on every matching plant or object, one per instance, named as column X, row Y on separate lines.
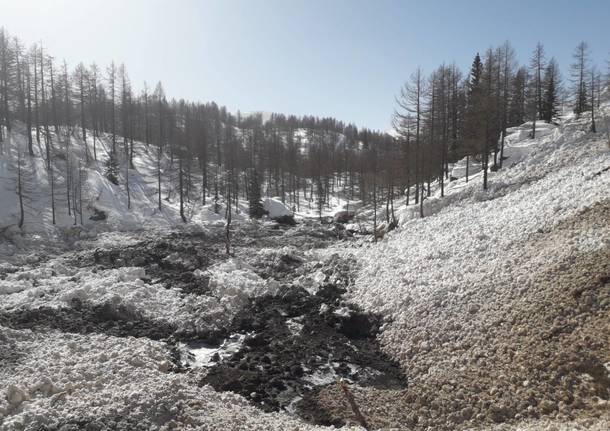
column 343, row 58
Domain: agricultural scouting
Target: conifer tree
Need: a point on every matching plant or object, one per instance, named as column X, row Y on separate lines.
column 551, row 83
column 579, row 71
column 592, row 86
column 516, row 110
column 537, row 65
column 474, row 117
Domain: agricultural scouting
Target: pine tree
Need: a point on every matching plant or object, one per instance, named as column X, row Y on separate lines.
column 551, row 84
column 112, row 168
column 474, row 118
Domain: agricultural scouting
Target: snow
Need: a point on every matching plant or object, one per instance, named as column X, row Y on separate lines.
column 52, row 377
column 202, row 354
column 98, row 193
column 295, row 325
column 234, row 281
column 550, row 181
column 473, row 258
column 72, row 377
column 275, row 208
column 452, row 285
column 56, row 284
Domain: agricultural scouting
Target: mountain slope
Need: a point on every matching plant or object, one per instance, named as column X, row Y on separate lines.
column 97, row 192
column 497, row 304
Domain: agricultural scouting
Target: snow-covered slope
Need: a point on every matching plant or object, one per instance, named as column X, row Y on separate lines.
column 497, row 303
column 98, row 193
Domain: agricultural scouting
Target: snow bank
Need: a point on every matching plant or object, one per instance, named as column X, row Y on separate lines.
column 233, row 282
column 276, row 208
column 444, row 251
column 100, row 197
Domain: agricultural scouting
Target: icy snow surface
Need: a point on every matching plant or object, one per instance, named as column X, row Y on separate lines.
column 472, row 238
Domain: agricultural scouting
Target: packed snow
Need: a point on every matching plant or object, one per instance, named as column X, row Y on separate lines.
column 466, row 289
column 461, row 291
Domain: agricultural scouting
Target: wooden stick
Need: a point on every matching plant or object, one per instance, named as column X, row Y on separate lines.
column 352, row 403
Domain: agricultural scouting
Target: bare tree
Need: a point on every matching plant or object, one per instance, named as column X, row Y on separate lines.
column 537, row 64
column 578, row 71
column 410, row 103
column 593, row 75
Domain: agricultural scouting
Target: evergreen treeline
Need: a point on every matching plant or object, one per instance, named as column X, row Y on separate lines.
column 217, row 157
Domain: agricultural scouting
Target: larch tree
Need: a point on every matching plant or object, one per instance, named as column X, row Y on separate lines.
column 28, row 91
column 111, row 71
column 593, row 75
column 159, row 95
column 5, row 64
column 537, row 65
column 517, row 103
column 408, row 111
column 507, row 65
column 83, row 86
column 578, row 71
column 94, row 108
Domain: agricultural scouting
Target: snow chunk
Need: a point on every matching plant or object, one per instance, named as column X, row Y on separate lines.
column 233, row 282
column 276, row 208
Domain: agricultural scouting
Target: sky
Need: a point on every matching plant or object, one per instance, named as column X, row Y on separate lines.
column 341, row 58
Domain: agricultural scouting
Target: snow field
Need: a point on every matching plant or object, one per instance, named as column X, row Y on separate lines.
column 474, row 293
column 470, row 236
column 59, row 378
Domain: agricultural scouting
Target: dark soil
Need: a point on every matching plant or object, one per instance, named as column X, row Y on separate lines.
column 278, row 365
column 170, row 260
column 85, row 318
column 297, row 343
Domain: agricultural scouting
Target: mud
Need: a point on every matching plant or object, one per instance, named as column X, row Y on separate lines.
column 298, row 342
column 85, row 318
column 294, row 343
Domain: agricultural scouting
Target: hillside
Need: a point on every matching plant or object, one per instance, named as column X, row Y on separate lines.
column 97, row 191
column 495, row 306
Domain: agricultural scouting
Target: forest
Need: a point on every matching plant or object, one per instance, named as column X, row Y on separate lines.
column 175, row 257
column 215, row 155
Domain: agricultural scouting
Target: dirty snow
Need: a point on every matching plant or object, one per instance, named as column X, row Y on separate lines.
column 463, row 287
column 463, row 290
